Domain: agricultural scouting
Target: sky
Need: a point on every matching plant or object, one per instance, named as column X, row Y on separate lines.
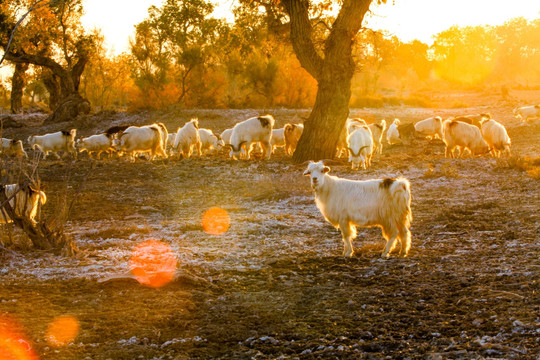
column 407, row 19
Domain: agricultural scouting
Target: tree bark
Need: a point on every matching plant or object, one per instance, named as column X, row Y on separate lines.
column 18, row 82
column 53, row 87
column 333, row 70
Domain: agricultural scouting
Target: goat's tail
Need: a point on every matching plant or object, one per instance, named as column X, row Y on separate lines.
column 400, row 191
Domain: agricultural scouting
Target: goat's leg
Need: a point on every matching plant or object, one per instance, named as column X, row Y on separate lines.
column 390, row 244
column 405, row 236
column 348, row 232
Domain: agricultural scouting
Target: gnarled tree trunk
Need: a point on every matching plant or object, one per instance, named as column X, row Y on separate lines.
column 18, row 82
column 333, row 70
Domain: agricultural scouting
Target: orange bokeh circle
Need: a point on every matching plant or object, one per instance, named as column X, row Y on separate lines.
column 62, row 330
column 13, row 345
column 153, row 263
column 215, row 221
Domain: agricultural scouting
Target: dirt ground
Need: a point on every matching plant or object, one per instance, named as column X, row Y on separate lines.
column 274, row 286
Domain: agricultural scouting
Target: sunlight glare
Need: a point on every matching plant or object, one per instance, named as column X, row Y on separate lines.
column 62, row 330
column 215, row 221
column 153, row 263
column 13, row 346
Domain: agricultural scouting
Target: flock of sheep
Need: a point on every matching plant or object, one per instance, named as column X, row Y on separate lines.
column 344, row 203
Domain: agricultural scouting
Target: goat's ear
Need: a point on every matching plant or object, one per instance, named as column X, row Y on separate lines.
column 307, row 173
column 325, row 169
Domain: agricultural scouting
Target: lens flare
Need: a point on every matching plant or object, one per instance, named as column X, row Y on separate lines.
column 153, row 263
column 13, row 346
column 62, row 330
column 215, row 221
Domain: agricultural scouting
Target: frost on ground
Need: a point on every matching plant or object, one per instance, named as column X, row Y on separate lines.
column 274, row 284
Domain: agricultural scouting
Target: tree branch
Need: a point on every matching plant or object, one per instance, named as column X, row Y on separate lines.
column 38, row 4
column 301, row 36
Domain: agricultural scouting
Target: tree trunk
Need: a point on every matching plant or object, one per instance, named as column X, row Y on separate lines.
column 323, row 127
column 68, row 109
column 53, row 88
column 18, row 82
column 333, row 72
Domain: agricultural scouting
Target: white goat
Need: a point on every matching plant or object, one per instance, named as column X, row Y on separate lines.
column 54, row 142
column 256, row 129
column 278, row 138
column 170, row 142
column 146, row 138
column 392, row 135
column 187, row 137
column 350, row 123
column 496, row 137
column 348, row 203
column 209, row 140
column 24, row 204
column 95, row 143
column 525, row 112
column 430, row 128
column 460, row 135
column 360, row 146
column 164, row 133
column 292, row 135
column 377, row 131
column 226, row 136
column 11, row 147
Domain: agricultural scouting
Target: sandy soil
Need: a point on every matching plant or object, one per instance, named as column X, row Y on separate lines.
column 274, row 285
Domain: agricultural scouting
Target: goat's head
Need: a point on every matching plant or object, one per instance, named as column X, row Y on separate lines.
column 316, row 171
column 237, row 151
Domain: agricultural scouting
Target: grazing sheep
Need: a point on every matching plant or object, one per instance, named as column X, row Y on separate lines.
column 11, row 147
column 377, row 131
column 496, row 137
column 525, row 112
column 146, row 138
column 209, row 140
column 430, row 128
column 292, row 135
column 392, row 135
column 256, row 129
column 24, row 203
column 54, row 142
column 95, row 143
column 188, row 137
column 360, row 146
column 348, row 203
column 460, row 135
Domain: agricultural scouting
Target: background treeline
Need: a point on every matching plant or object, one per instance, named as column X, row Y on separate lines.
column 180, row 55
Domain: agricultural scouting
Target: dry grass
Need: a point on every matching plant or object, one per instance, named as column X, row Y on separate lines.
column 530, row 165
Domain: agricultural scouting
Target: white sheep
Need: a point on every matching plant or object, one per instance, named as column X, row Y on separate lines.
column 360, row 147
column 24, row 203
column 392, row 135
column 496, row 137
column 54, row 142
column 377, row 131
column 430, row 128
column 209, row 140
column 292, row 133
column 187, row 138
column 460, row 135
column 95, row 143
column 253, row 130
column 164, row 133
column 525, row 112
column 11, row 147
column 349, row 203
column 135, row 140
